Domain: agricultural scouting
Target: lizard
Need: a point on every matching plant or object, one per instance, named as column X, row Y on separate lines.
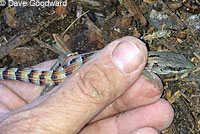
column 159, row 62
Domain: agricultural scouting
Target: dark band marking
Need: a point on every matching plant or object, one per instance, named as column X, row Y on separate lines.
column 85, row 56
column 56, row 83
column 174, row 69
column 151, row 56
column 5, row 74
column 39, row 77
column 72, row 61
column 18, row 74
column 30, row 76
column 53, row 77
column 42, row 77
column 68, row 73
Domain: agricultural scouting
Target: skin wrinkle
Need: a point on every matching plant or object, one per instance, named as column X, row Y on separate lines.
column 46, row 126
column 82, row 86
column 24, row 123
column 89, row 82
column 118, row 106
column 74, row 98
column 75, row 101
column 56, row 109
column 105, row 78
column 79, row 101
column 64, row 93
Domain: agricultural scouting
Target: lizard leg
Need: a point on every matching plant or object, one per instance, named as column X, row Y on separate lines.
column 156, row 82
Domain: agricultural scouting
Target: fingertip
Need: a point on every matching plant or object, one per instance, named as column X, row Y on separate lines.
column 129, row 53
column 127, row 56
column 165, row 111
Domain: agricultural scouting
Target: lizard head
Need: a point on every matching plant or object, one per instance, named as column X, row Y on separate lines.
column 166, row 62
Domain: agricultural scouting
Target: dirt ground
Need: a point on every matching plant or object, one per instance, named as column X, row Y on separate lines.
column 28, row 36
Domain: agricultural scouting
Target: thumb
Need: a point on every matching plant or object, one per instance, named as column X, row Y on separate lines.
column 100, row 81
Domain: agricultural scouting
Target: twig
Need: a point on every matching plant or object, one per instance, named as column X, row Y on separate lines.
column 45, row 45
column 73, row 23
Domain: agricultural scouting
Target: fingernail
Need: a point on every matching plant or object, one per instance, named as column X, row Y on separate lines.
column 127, row 56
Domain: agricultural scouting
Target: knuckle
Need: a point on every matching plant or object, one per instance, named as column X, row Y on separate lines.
column 96, row 83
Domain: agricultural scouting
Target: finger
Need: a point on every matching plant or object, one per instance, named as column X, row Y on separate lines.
column 141, row 93
column 158, row 115
column 9, row 99
column 3, row 109
column 90, row 89
column 26, row 91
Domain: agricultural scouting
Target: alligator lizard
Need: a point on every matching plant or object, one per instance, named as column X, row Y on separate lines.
column 159, row 62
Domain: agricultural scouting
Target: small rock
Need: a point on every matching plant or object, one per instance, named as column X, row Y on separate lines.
column 159, row 18
column 182, row 35
column 193, row 22
column 9, row 17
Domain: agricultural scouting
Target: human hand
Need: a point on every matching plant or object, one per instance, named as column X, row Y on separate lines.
column 90, row 100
